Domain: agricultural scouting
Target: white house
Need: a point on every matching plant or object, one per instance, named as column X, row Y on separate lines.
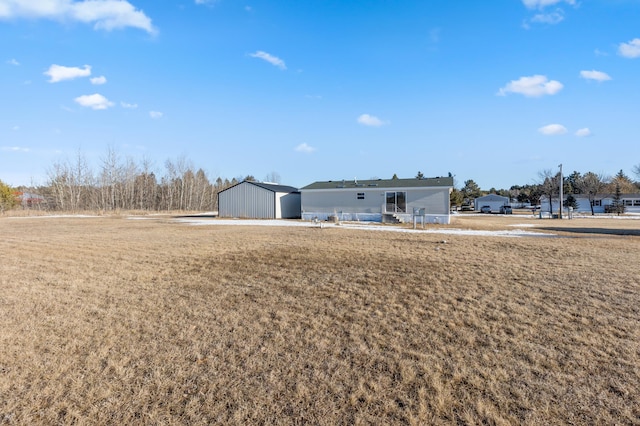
column 257, row 200
column 379, row 200
column 494, row 201
column 601, row 203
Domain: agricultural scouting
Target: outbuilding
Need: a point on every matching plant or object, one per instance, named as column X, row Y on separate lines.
column 379, row 200
column 494, row 201
column 258, row 200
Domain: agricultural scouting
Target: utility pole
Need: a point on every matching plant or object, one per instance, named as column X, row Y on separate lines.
column 561, row 195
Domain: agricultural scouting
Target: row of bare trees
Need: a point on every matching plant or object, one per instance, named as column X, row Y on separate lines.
column 124, row 184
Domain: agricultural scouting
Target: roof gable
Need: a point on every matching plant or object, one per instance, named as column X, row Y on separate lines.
column 268, row 186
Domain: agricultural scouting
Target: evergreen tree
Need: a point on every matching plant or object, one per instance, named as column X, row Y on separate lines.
column 471, row 190
column 572, row 183
column 8, row 199
column 456, row 198
column 624, row 182
column 571, row 202
column 618, row 205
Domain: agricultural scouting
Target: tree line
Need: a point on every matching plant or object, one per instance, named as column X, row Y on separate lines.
column 593, row 186
column 121, row 184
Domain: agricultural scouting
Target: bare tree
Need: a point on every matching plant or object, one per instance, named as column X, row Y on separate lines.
column 202, row 189
column 110, row 181
column 130, row 171
column 549, row 182
column 273, row 177
column 592, row 185
column 71, row 184
column 146, row 187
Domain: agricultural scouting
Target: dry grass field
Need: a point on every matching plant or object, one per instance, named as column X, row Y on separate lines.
column 116, row 321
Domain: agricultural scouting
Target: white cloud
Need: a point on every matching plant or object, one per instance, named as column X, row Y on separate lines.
column 128, row 106
column 98, row 80
column 303, row 147
column 595, row 75
column 548, row 18
column 583, row 133
column 541, row 4
column 553, row 129
column 631, row 49
column 533, row 87
column 156, row 115
column 104, row 14
column 13, row 62
column 14, row 149
column 95, row 101
column 370, row 120
column 273, row 60
column 58, row 73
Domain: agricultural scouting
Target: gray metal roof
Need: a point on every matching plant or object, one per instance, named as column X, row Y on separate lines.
column 275, row 187
column 382, row 183
column 492, row 197
column 268, row 186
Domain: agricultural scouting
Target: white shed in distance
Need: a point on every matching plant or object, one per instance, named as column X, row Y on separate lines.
column 494, row 201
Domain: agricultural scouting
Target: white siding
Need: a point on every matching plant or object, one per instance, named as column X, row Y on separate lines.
column 346, row 205
column 288, row 205
column 585, row 207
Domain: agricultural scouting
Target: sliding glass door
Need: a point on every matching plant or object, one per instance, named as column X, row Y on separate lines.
column 396, row 202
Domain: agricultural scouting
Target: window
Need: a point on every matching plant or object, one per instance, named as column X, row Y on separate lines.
column 636, row 202
column 628, row 202
column 596, row 203
column 360, row 195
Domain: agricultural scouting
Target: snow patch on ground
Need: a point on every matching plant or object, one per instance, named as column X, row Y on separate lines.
column 360, row 226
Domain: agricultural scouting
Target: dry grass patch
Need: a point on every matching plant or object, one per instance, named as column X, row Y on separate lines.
column 152, row 322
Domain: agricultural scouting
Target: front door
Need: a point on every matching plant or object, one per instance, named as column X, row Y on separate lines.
column 396, row 202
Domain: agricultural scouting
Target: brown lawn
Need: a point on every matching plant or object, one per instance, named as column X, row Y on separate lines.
column 117, row 321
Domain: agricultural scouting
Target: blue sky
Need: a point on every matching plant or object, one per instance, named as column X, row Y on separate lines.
column 493, row 91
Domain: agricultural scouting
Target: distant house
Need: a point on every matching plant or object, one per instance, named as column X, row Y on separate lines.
column 601, row 203
column 494, row 201
column 30, row 200
column 378, row 200
column 258, row 200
